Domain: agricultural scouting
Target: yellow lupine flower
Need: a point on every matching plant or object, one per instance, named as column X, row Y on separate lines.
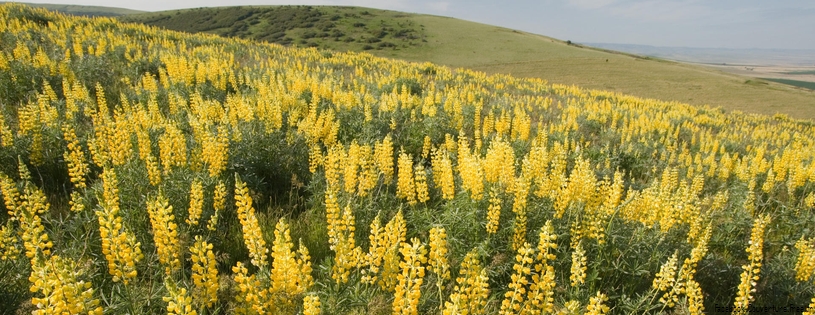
column 426, row 145
column 252, row 236
column 406, row 187
column 376, row 252
column 470, row 170
column 204, row 272
column 422, row 194
column 350, row 176
column 805, row 264
column 252, row 298
column 471, row 290
column 196, row 202
column 11, row 195
column 57, row 281
column 406, row 299
column 368, row 174
column 165, row 233
column 391, row 241
column 172, row 148
column 178, row 301
column 578, row 271
column 383, row 155
column 515, row 296
column 494, row 211
column 596, row 306
column 438, row 256
column 6, row 136
column 9, row 248
column 443, row 174
column 215, row 151
column 287, row 276
column 32, row 205
column 118, row 245
column 347, row 254
column 333, row 167
column 540, row 296
column 693, row 291
column 119, row 143
column 519, row 208
column 751, row 271
column 311, row 305
column 665, row 278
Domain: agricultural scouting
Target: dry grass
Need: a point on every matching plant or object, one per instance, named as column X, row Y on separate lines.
column 498, row 50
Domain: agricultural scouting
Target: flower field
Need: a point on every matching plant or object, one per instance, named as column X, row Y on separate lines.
column 145, row 171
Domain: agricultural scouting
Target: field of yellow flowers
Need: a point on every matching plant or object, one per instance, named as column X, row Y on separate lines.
column 145, row 171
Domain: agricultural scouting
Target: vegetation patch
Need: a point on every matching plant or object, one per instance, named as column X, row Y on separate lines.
column 338, row 28
column 796, row 83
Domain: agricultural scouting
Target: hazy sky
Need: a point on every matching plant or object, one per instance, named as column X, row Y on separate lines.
column 782, row 24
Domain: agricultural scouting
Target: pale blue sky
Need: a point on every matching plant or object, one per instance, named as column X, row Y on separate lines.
column 769, row 24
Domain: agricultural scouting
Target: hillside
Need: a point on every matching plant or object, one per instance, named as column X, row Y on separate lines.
column 491, row 49
column 146, row 171
column 82, row 10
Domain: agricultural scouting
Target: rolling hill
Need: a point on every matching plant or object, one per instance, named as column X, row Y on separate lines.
column 82, row 10
column 458, row 43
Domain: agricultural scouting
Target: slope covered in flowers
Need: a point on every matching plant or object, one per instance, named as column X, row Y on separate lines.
column 145, row 171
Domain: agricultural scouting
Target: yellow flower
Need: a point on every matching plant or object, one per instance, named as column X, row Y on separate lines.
column 119, row 144
column 438, row 256
column 58, row 281
column 311, row 305
column 494, row 211
column 165, row 233
column 751, row 271
column 514, row 297
column 32, row 204
column 75, row 157
column 406, row 299
column 665, row 278
column 204, row 272
column 519, row 208
column 427, row 144
column 391, row 241
column 118, row 245
column 421, row 184
column 251, row 297
column 196, row 202
column 287, row 276
column 596, row 306
column 406, row 187
column 172, row 148
column 252, row 236
column 347, row 254
column 471, row 290
column 578, row 274
column 9, row 243
column 215, row 151
column 11, row 195
column 383, row 155
column 178, row 301
column 443, row 174
column 805, row 264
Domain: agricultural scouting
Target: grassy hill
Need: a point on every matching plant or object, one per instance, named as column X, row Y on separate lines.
column 82, row 10
column 491, row 49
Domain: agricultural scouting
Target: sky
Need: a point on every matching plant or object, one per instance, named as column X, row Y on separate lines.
column 735, row 24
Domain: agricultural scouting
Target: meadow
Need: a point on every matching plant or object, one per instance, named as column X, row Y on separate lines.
column 147, row 171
